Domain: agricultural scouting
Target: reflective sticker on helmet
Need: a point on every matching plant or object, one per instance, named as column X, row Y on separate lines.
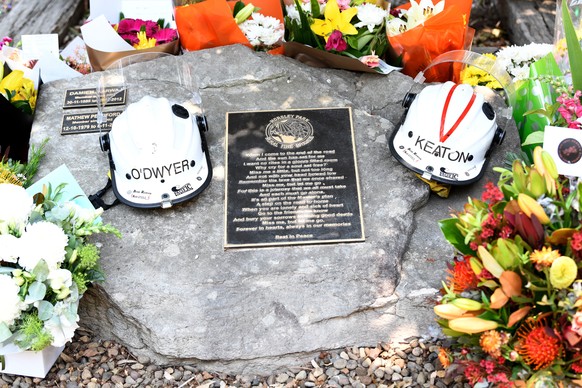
column 440, row 151
column 159, row 172
column 448, row 175
column 179, row 190
column 445, row 136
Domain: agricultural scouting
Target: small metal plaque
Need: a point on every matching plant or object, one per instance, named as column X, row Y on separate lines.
column 87, row 98
column 291, row 178
column 87, row 122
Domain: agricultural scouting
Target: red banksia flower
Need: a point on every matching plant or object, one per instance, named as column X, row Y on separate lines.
column 461, row 276
column 538, row 344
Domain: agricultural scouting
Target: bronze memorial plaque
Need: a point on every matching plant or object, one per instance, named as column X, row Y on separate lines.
column 87, row 122
column 291, row 178
column 87, row 98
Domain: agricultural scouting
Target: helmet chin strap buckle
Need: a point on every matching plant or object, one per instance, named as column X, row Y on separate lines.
column 166, row 202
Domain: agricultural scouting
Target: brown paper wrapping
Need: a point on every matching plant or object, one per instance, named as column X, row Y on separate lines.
column 320, row 58
column 101, row 60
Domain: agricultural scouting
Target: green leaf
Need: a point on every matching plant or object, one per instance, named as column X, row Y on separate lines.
column 454, row 236
column 41, row 271
column 237, row 7
column 574, row 49
column 364, row 40
column 36, row 292
column 5, row 332
column 315, row 9
column 45, row 310
column 536, row 137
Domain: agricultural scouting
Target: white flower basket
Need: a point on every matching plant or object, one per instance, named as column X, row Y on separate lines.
column 28, row 363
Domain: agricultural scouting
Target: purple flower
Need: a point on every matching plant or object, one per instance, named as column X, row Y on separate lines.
column 129, row 26
column 133, row 26
column 130, row 37
column 165, row 35
column 336, row 42
column 151, row 28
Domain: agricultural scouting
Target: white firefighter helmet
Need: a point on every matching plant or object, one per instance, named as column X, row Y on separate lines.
column 157, row 154
column 446, row 134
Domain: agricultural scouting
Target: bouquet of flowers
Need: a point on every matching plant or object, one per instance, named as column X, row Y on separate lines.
column 78, row 60
column 420, row 31
column 264, row 33
column 18, row 93
column 144, row 34
column 512, row 302
column 124, row 38
column 214, row 23
column 351, row 28
column 16, row 88
column 46, row 264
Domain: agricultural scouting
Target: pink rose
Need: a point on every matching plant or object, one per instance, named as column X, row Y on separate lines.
column 370, row 60
column 336, row 42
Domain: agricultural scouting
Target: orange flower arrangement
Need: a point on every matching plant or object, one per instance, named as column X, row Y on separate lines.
column 512, row 301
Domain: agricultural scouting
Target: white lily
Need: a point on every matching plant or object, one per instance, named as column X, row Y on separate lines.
column 418, row 13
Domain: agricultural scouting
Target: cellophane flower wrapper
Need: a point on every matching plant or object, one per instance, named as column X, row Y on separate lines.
column 443, row 32
column 532, row 94
column 210, row 23
column 561, row 50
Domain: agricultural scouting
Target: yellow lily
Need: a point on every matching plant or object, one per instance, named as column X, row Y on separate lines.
column 23, row 88
column 12, row 81
column 335, row 20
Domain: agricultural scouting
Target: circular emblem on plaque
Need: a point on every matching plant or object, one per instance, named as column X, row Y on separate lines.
column 289, row 131
column 570, row 151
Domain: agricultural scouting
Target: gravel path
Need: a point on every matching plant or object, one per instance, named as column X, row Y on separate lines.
column 92, row 363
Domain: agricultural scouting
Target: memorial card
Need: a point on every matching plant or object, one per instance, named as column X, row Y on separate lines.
column 291, row 178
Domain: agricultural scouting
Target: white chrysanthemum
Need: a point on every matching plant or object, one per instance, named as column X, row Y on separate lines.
column 517, row 59
column 63, row 324
column 43, row 240
column 15, row 205
column 9, row 248
column 267, row 21
column 59, row 278
column 262, row 31
column 10, row 303
column 370, row 16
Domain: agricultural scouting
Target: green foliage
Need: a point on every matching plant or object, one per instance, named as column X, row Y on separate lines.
column 88, row 256
column 26, row 171
column 81, row 280
column 453, row 235
column 574, row 49
column 32, row 334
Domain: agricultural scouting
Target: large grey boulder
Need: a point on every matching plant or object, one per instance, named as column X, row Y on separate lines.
column 41, row 17
column 174, row 294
